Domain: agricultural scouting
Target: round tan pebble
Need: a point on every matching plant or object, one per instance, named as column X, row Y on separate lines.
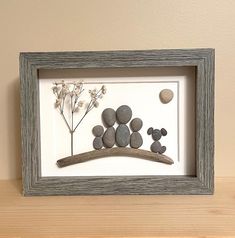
column 166, row 95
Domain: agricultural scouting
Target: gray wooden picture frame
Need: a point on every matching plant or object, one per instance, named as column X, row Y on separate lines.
column 35, row 184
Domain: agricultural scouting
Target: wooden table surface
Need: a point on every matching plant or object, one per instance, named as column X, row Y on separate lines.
column 118, row 216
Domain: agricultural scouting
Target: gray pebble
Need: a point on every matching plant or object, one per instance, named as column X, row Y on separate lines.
column 97, row 143
column 162, row 150
column 150, row 131
column 124, row 114
column 109, row 137
column 98, row 130
column 156, row 147
column 122, row 135
column 136, row 140
column 156, row 134
column 136, row 124
column 164, row 131
column 109, row 117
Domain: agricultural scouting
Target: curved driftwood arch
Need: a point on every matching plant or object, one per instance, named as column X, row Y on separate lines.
column 117, row 151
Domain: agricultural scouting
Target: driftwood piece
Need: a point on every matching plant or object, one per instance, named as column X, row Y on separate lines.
column 117, row 151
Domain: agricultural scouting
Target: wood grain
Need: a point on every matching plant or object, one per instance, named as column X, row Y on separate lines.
column 34, row 184
column 118, row 216
column 96, row 154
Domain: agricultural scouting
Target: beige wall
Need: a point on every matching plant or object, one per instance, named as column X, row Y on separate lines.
column 56, row 25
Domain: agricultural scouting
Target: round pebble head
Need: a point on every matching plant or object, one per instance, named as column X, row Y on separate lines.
column 98, row 130
column 166, row 95
column 109, row 117
column 156, row 135
column 124, row 114
column 136, row 124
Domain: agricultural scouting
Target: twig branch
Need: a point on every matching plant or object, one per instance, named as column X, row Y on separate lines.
column 67, row 124
column 79, row 122
column 117, row 151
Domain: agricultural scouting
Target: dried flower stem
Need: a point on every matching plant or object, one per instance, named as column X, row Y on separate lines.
column 66, row 122
column 74, row 90
column 71, row 132
column 80, row 121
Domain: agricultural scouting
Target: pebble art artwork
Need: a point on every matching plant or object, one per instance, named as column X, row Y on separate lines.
column 119, row 129
column 126, row 132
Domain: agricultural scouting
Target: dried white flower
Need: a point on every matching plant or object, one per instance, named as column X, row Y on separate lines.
column 104, row 89
column 58, row 102
column 55, row 89
column 96, row 104
column 76, row 109
column 80, row 103
column 78, row 84
column 93, row 93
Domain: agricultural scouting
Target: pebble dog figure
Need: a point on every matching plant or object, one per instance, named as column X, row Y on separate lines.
column 156, row 146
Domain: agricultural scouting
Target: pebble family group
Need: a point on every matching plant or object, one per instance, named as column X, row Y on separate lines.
column 122, row 136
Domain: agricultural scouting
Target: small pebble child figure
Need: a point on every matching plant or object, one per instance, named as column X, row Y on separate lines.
column 136, row 140
column 156, row 146
column 98, row 131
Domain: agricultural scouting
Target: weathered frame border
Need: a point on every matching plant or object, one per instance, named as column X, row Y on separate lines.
column 34, row 184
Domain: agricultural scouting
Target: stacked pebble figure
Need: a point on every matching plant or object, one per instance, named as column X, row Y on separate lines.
column 98, row 131
column 136, row 138
column 121, row 136
column 109, row 119
column 156, row 146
